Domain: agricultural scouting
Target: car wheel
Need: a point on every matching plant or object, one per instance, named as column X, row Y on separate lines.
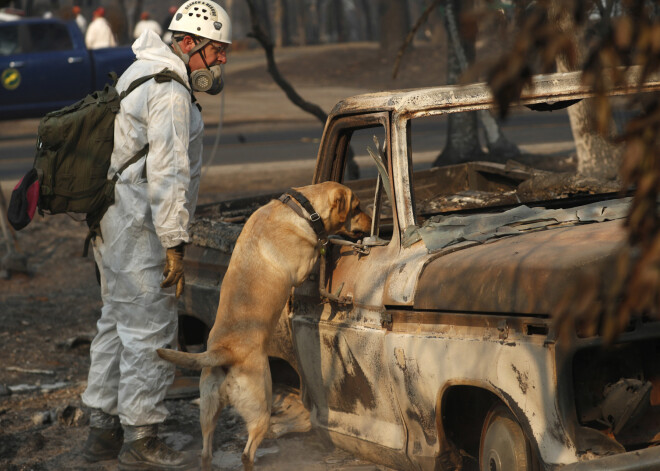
column 503, row 445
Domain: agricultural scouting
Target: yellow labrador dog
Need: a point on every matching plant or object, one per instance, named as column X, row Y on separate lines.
column 275, row 251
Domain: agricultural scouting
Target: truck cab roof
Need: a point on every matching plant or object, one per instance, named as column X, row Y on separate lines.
column 551, row 89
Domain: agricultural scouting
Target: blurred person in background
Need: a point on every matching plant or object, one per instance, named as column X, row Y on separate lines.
column 146, row 23
column 80, row 19
column 99, row 34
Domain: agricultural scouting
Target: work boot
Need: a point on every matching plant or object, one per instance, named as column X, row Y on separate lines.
column 105, row 437
column 148, row 452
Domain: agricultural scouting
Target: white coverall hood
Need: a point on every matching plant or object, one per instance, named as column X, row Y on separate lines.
column 150, row 47
column 150, row 214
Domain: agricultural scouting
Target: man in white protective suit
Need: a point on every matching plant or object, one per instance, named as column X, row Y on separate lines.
column 146, row 23
column 144, row 232
column 99, row 34
column 79, row 18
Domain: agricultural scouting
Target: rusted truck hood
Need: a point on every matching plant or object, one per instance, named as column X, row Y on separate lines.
column 527, row 273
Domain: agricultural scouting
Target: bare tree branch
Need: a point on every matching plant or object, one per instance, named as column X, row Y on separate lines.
column 260, row 35
column 411, row 35
column 624, row 41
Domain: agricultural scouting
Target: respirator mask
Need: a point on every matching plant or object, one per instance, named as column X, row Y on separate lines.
column 207, row 80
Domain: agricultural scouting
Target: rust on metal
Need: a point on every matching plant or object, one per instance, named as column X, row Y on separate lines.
column 526, row 274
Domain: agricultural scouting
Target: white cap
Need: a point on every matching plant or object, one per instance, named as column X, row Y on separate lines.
column 203, row 18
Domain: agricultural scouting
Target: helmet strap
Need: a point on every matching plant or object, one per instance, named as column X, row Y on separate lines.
column 197, row 48
column 203, row 56
column 179, row 52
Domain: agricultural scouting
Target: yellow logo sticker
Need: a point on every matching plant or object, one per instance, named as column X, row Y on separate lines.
column 11, row 79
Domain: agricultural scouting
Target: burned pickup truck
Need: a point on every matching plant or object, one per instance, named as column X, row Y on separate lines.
column 431, row 343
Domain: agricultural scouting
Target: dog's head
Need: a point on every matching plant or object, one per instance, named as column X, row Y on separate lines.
column 339, row 208
column 346, row 217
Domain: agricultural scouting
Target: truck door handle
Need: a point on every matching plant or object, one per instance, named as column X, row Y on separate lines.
column 74, row 60
column 16, row 64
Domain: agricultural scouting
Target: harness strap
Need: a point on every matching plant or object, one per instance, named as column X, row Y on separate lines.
column 94, row 220
column 163, row 76
column 144, row 151
column 312, row 216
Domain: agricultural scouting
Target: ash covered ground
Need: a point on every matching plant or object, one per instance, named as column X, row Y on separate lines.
column 48, row 319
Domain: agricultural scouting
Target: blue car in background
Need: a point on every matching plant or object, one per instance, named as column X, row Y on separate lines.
column 44, row 65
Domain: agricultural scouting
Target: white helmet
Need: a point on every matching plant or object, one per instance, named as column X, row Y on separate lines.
column 203, row 18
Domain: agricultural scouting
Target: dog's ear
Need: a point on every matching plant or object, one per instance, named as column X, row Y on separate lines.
column 339, row 202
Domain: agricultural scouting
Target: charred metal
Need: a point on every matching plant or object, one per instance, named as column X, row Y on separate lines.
column 436, row 332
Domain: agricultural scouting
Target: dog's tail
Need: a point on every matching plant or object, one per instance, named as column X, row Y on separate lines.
column 193, row 361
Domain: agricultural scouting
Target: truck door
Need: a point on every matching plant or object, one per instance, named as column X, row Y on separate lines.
column 42, row 66
column 11, row 55
column 341, row 348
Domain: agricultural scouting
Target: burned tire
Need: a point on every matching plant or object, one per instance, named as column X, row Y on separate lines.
column 503, row 445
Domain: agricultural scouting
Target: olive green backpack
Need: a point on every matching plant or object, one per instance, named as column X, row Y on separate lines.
column 74, row 146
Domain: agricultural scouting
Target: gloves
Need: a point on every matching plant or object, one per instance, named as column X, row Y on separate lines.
column 173, row 271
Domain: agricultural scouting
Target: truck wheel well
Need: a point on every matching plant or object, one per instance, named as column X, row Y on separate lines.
column 464, row 409
column 283, row 373
column 193, row 333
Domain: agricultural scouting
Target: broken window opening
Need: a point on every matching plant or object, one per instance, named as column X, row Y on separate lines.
column 375, row 180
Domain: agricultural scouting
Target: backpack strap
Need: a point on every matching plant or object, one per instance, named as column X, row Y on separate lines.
column 165, row 75
column 141, row 153
column 94, row 220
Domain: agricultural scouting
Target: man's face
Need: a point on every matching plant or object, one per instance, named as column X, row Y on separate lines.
column 214, row 52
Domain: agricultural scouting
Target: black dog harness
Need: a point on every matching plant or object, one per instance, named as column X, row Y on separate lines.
column 304, row 206
column 312, row 216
